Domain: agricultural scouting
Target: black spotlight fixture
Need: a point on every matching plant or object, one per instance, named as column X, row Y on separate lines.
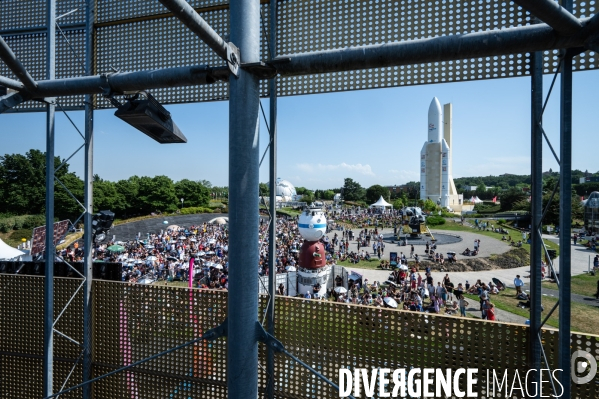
column 149, row 117
column 101, row 223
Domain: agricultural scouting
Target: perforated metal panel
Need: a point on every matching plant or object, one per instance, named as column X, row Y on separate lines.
column 22, row 335
column 142, row 35
column 132, row 322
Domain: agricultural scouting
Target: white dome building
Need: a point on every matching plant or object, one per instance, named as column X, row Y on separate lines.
column 285, row 190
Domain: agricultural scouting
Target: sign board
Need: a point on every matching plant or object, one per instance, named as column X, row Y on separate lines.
column 393, row 258
column 38, row 242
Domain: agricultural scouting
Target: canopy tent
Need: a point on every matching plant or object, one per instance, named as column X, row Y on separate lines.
column 381, row 203
column 7, row 252
column 476, row 200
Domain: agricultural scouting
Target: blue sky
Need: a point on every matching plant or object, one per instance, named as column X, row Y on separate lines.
column 372, row 136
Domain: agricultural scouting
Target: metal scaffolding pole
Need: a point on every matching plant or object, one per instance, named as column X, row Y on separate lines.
column 272, row 243
column 244, row 105
column 88, row 201
column 11, row 60
column 536, row 156
column 565, row 223
column 553, row 14
column 190, row 18
column 48, row 367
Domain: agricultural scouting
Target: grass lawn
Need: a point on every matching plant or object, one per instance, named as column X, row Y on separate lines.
column 373, row 263
column 583, row 284
column 584, row 318
column 515, row 234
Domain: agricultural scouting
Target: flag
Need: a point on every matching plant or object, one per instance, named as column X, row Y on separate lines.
column 495, row 199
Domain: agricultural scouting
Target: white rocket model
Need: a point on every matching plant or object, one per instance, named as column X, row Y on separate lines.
column 436, row 182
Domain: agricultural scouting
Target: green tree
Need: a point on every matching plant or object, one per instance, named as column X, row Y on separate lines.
column 328, row 195
column 157, row 194
column 398, row 203
column 353, row 191
column 129, row 190
column 373, row 193
column 307, row 196
column 511, row 197
column 263, row 189
column 429, row 205
column 193, row 193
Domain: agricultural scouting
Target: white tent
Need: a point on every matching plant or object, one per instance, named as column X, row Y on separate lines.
column 476, row 200
column 7, row 252
column 381, row 203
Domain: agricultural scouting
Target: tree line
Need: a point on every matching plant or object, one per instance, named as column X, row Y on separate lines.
column 23, row 190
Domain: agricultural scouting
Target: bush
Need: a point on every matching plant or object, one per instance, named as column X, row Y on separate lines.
column 33, row 221
column 6, row 225
column 435, row 220
column 195, row 209
column 501, row 221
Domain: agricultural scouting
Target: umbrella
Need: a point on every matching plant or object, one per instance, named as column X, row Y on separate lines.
column 403, row 267
column 211, row 241
column 172, row 258
column 116, row 248
column 450, row 253
column 201, row 253
column 391, row 282
column 340, row 290
column 193, row 240
column 500, row 285
column 173, row 227
column 218, row 266
column 209, row 252
column 151, row 258
column 220, row 220
column 390, row 302
column 290, row 268
column 149, row 247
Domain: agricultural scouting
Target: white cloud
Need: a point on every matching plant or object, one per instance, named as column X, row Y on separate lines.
column 403, row 176
column 365, row 170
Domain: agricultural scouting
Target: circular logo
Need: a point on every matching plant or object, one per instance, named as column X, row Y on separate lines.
column 582, row 362
column 311, row 226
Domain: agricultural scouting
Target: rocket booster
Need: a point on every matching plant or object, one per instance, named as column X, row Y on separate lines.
column 445, row 177
column 435, row 122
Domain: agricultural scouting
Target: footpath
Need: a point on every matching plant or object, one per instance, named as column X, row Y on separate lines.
column 580, row 260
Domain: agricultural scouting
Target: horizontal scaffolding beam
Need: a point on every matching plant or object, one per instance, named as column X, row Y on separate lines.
column 13, row 63
column 131, row 81
column 523, row 39
column 550, row 12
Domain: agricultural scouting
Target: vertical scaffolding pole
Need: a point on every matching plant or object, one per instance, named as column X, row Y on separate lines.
column 88, row 202
column 272, row 249
column 48, row 367
column 565, row 219
column 244, row 103
column 536, row 156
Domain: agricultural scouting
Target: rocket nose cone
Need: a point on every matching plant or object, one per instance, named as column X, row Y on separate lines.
column 435, row 106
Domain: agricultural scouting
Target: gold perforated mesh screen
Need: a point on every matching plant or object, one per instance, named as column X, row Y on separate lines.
column 22, row 335
column 142, row 35
column 133, row 322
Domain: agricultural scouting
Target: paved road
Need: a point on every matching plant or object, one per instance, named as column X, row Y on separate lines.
column 580, row 262
column 128, row 231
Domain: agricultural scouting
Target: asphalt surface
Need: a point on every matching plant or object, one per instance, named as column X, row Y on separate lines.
column 129, row 231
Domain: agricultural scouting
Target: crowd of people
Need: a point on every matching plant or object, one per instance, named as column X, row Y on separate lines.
column 410, row 290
